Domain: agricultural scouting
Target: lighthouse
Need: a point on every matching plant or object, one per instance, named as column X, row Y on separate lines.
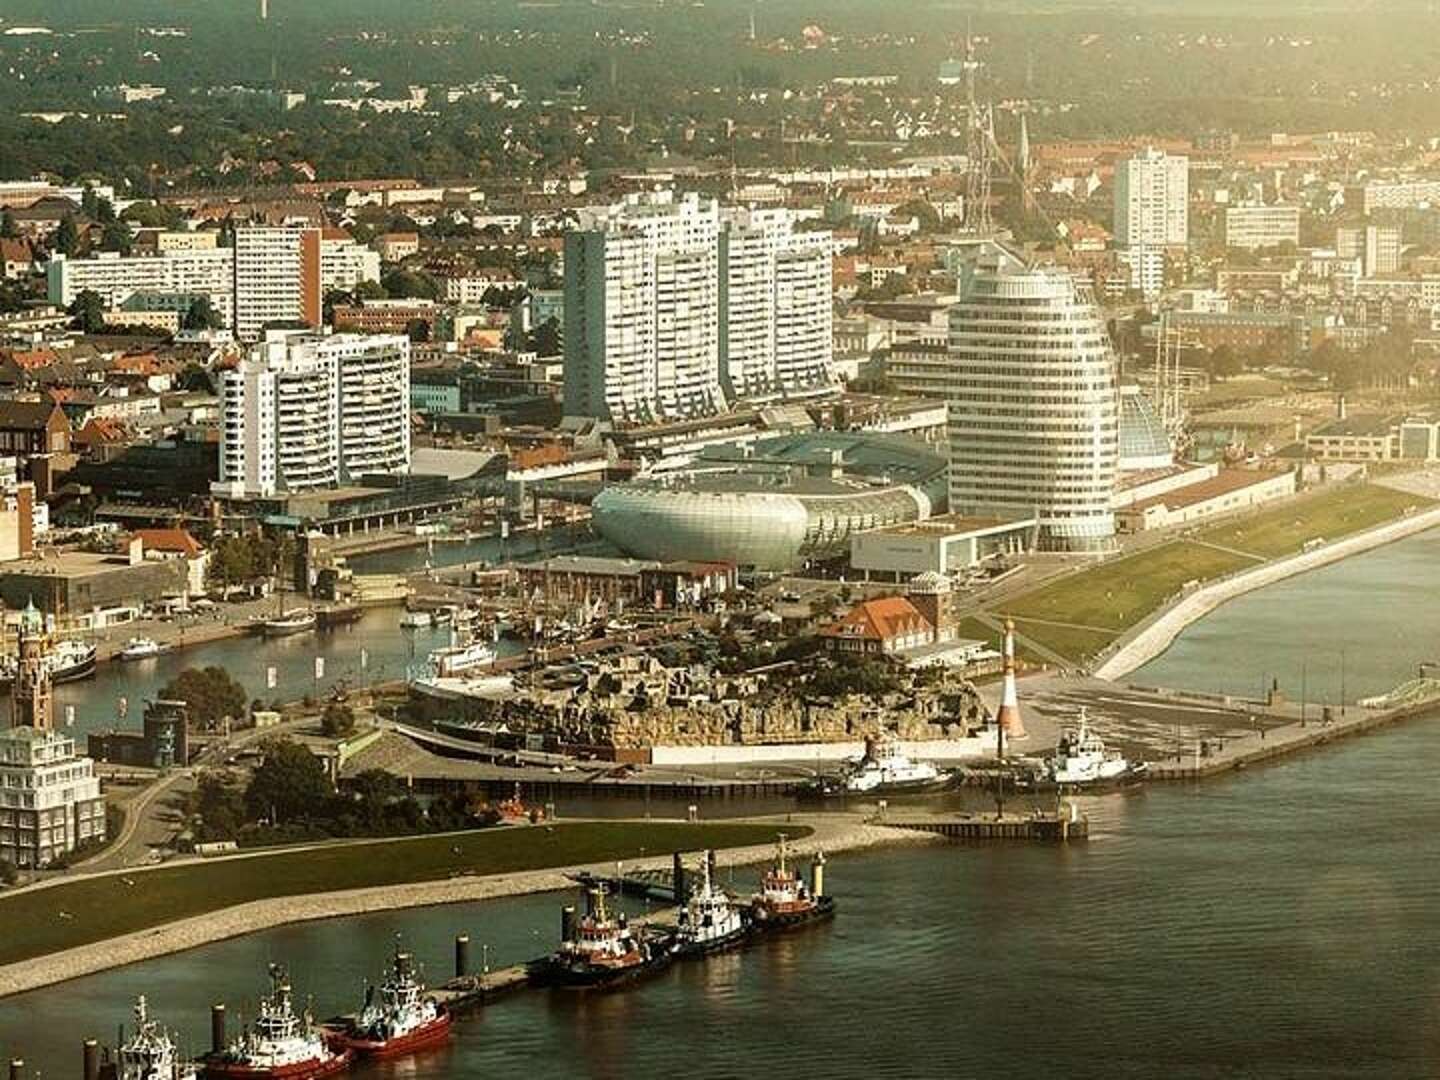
column 1008, row 718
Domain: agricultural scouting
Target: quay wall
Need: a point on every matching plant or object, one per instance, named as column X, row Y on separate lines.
column 818, row 752
column 1157, row 636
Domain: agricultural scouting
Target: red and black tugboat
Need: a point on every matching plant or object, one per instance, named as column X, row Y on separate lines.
column 279, row 1045
column 398, row 1018
column 600, row 949
column 784, row 900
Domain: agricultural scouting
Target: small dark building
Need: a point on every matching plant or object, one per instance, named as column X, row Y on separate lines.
column 163, row 741
column 33, row 427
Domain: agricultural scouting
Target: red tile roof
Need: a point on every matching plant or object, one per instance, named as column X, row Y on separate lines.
column 169, row 540
column 878, row 620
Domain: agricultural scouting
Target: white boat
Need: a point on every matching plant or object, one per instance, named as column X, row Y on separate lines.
column 452, row 660
column 415, row 620
column 149, row 1053
column 1081, row 760
column 885, row 770
column 294, row 622
column 140, row 648
column 279, row 1044
column 710, row 921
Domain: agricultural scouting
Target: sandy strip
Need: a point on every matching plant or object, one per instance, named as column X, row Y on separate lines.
column 833, row 833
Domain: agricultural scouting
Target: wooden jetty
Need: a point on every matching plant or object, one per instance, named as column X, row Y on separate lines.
column 1055, row 827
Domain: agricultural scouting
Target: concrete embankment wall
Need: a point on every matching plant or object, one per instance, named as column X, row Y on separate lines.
column 1154, row 638
column 819, row 753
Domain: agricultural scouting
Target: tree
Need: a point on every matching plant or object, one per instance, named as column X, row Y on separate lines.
column 411, row 283
column 116, row 236
column 201, row 315
column 1224, row 362
column 67, row 237
column 210, row 695
column 8, row 874
column 418, row 330
column 338, row 720
column 195, row 378
column 289, row 784
column 8, row 229
column 89, row 312
column 220, row 807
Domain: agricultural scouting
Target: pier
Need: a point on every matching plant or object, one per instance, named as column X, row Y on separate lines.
column 1055, row 827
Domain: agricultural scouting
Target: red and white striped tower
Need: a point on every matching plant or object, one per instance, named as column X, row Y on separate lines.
column 1009, row 715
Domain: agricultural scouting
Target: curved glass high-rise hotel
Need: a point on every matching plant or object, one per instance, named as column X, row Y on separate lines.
column 1034, row 424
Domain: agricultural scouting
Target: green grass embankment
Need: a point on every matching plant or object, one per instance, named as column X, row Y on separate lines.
column 100, row 908
column 1079, row 615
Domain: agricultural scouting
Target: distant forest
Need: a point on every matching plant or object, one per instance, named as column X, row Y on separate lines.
column 659, row 70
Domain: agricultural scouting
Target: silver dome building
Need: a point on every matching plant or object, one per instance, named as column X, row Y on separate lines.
column 775, row 505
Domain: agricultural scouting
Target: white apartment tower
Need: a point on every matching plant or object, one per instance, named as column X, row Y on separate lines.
column 642, row 337
column 1152, row 196
column 776, row 313
column 672, row 309
column 277, row 278
column 302, row 411
column 1034, row 415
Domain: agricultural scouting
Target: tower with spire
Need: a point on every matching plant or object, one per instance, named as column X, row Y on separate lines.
column 1008, row 718
column 32, row 698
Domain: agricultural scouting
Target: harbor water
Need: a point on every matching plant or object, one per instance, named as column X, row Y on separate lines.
column 1275, row 923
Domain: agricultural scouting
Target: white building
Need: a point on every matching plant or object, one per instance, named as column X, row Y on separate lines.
column 176, row 274
column 50, row 801
column 1152, row 200
column 1033, row 406
column 776, row 315
column 1261, row 226
column 1377, row 247
column 278, row 278
column 303, row 411
column 344, row 264
column 642, row 325
column 672, row 309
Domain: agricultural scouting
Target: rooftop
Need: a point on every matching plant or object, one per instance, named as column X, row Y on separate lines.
column 1357, row 426
column 1223, row 483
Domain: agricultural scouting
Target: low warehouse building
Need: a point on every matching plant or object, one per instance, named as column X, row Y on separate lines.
column 1227, row 491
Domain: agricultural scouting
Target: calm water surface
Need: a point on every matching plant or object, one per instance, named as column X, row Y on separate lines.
column 1281, row 923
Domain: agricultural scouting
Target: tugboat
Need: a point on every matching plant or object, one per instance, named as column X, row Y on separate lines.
column 884, row 770
column 280, row 1045
column 401, row 1021
column 149, row 1054
column 1081, row 760
column 710, row 921
column 600, row 949
column 784, row 900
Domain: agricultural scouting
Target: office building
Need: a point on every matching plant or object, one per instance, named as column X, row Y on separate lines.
column 1261, row 226
column 1152, row 193
column 1033, row 406
column 302, row 411
column 169, row 277
column 673, row 309
column 277, row 279
column 1376, row 246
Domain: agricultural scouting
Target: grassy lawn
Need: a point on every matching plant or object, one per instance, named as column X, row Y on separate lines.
column 106, row 907
column 1118, row 594
column 1284, row 530
column 1069, row 641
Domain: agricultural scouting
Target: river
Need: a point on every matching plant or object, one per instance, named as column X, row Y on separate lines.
column 1277, row 923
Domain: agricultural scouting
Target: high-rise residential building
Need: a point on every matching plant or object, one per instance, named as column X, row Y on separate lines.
column 1033, row 407
column 171, row 278
column 277, row 278
column 303, row 410
column 1261, row 225
column 673, row 308
column 642, row 334
column 1152, row 200
column 776, row 314
column 1377, row 247
column 344, row 264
